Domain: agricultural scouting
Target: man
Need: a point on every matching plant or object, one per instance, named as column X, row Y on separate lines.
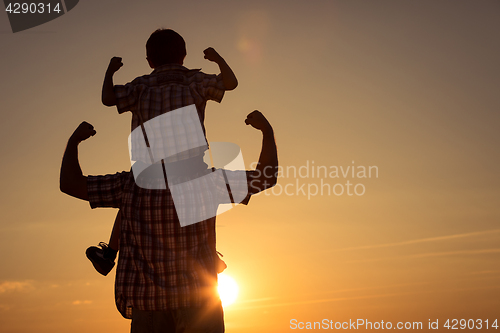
column 166, row 277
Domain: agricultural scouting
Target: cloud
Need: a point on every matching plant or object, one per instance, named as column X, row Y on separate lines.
column 325, row 300
column 386, row 295
column 418, row 241
column 452, row 253
column 78, row 302
column 487, row 272
column 265, row 299
column 431, row 254
column 16, row 286
column 4, row 307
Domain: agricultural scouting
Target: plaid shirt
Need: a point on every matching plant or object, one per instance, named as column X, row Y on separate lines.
column 161, row 265
column 167, row 88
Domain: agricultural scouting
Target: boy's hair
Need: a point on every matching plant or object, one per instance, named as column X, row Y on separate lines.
column 165, row 46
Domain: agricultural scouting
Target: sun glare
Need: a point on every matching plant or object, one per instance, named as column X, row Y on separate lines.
column 228, row 289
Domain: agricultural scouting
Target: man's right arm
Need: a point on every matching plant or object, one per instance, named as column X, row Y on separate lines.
column 108, row 94
column 72, row 181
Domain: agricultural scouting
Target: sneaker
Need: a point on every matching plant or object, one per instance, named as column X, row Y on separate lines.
column 100, row 258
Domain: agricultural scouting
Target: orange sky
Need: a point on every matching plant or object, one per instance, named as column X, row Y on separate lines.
column 408, row 87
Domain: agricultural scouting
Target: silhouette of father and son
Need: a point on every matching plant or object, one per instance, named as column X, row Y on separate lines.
column 166, row 276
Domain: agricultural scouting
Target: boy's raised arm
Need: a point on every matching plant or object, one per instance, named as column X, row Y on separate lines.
column 108, row 94
column 228, row 77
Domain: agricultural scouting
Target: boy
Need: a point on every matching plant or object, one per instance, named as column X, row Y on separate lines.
column 169, row 87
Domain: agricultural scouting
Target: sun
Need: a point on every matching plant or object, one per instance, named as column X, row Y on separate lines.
column 228, row 289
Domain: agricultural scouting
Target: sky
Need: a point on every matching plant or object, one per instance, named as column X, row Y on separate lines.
column 403, row 93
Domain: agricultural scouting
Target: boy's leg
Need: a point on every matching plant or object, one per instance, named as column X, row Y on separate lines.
column 114, row 239
column 103, row 258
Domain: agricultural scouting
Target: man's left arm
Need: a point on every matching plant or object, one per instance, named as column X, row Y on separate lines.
column 72, row 181
column 265, row 174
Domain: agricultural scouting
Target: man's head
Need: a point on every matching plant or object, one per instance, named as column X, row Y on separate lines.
column 165, row 46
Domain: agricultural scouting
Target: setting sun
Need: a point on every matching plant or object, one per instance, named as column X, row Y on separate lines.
column 228, row 289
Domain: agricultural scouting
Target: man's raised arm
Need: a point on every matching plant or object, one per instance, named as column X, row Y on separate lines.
column 266, row 172
column 72, row 181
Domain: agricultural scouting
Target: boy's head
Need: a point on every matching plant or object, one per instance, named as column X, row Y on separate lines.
column 165, row 46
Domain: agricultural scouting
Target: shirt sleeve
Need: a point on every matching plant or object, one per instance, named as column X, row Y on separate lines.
column 126, row 96
column 213, row 88
column 240, row 187
column 106, row 191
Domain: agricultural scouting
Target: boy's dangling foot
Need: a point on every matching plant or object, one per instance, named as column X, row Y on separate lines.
column 102, row 258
